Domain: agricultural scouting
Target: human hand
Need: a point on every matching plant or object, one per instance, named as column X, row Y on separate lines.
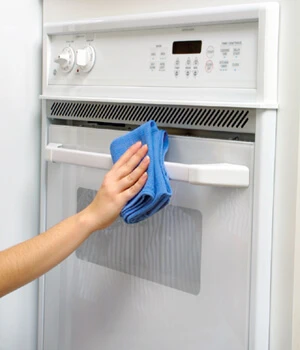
column 125, row 180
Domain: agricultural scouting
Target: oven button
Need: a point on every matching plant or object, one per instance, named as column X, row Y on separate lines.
column 85, row 58
column 195, row 72
column 152, row 66
column 66, row 59
column 209, row 65
column 210, row 51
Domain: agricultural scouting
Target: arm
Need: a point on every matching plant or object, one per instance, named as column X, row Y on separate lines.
column 29, row 260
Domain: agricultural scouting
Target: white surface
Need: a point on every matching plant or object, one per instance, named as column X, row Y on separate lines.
column 296, row 301
column 287, row 135
column 236, row 64
column 242, row 98
column 225, row 175
column 262, row 228
column 88, row 305
column 141, row 57
column 20, row 85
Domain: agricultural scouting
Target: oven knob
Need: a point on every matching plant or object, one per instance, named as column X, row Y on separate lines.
column 66, row 59
column 85, row 58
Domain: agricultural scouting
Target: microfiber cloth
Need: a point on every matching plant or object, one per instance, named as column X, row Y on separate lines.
column 157, row 191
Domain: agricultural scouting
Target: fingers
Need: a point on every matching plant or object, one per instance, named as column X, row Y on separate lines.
column 132, row 162
column 133, row 177
column 128, row 154
column 135, row 189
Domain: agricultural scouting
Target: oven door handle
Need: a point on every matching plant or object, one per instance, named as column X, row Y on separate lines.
column 221, row 174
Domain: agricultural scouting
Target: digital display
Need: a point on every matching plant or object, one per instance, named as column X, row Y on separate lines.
column 187, row 47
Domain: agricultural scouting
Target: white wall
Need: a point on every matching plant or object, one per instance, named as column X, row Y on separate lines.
column 296, row 306
column 287, row 136
column 20, row 82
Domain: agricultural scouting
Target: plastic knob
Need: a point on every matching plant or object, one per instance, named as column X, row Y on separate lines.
column 85, row 58
column 66, row 59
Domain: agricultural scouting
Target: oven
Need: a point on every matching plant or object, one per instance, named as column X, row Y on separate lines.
column 196, row 275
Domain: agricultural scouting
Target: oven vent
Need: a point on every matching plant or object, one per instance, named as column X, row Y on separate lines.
column 209, row 118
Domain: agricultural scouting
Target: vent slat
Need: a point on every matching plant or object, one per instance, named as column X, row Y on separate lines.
column 60, row 107
column 208, row 117
column 225, row 116
column 179, row 116
column 77, row 106
column 216, row 122
column 193, row 116
column 168, row 117
column 203, row 116
column 241, row 121
column 142, row 115
column 54, row 107
column 188, row 115
column 232, row 118
column 214, row 117
column 245, row 122
column 78, row 114
column 237, row 118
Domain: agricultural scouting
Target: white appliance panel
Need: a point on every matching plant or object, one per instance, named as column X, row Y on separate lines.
column 192, row 56
column 124, row 286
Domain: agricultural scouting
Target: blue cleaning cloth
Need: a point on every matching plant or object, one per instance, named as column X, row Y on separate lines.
column 157, row 191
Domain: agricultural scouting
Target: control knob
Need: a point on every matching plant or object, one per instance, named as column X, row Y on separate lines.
column 66, row 59
column 85, row 58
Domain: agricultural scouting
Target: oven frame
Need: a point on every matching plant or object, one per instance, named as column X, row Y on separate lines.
column 266, row 107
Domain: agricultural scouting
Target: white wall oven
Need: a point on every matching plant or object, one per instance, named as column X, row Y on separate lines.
column 197, row 274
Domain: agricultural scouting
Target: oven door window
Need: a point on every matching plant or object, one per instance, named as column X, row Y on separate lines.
column 180, row 279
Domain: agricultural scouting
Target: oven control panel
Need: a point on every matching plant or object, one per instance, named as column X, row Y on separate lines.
column 208, row 56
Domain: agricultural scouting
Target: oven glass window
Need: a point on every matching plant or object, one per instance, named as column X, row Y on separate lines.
column 165, row 248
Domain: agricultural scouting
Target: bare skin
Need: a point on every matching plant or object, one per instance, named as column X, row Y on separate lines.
column 29, row 260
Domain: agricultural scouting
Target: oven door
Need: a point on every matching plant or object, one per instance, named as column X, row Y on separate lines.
column 178, row 280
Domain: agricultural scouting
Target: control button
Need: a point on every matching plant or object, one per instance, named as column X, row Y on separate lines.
column 188, row 62
column 209, row 66
column 195, row 72
column 162, row 66
column 152, row 66
column 163, row 55
column 85, row 58
column 176, row 73
column 225, row 51
column 153, row 55
column 210, row 51
column 177, row 63
column 224, row 65
column 236, row 66
column 236, row 52
column 66, row 59
column 196, row 62
column 187, row 73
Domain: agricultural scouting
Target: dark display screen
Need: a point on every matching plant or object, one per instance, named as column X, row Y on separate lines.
column 187, row 47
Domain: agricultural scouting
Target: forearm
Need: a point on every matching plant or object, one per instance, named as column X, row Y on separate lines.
column 27, row 261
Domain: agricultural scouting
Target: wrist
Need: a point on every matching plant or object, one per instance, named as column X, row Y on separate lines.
column 87, row 220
